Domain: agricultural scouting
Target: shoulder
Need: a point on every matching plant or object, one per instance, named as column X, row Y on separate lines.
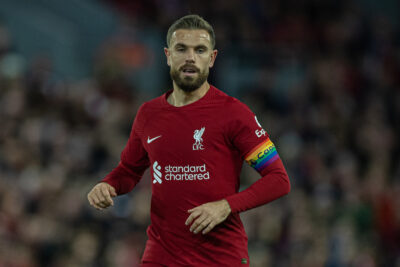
column 146, row 111
column 233, row 107
column 151, row 105
column 231, row 104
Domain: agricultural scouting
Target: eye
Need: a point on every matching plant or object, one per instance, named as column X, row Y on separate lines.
column 180, row 49
column 201, row 50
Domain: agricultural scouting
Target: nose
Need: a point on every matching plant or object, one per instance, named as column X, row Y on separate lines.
column 190, row 56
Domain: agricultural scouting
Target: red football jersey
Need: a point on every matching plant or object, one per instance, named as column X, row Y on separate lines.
column 195, row 153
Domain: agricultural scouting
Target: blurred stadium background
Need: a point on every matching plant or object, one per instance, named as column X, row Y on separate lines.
column 322, row 76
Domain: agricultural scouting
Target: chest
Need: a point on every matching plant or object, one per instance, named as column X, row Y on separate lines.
column 184, row 136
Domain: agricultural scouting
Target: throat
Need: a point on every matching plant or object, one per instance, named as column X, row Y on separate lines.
column 180, row 101
column 180, row 98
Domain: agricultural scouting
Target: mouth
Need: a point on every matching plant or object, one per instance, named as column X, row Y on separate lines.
column 189, row 70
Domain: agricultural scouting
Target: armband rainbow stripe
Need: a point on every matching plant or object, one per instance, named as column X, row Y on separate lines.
column 262, row 155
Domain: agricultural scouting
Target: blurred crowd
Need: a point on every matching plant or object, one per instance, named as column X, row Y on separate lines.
column 323, row 78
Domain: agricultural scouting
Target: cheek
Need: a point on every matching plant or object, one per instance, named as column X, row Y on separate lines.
column 175, row 60
column 177, row 56
column 206, row 62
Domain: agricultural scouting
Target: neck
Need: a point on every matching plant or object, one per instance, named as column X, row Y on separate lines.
column 179, row 98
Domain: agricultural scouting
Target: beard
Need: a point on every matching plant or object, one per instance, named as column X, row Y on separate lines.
column 188, row 84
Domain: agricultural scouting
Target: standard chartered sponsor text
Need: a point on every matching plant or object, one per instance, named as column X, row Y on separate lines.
column 186, row 173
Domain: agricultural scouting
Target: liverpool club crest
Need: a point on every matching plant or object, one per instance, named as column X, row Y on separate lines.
column 198, row 144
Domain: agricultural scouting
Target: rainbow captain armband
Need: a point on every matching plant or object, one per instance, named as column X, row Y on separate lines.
column 262, row 155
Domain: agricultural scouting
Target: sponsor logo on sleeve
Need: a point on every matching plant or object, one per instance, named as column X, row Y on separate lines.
column 260, row 132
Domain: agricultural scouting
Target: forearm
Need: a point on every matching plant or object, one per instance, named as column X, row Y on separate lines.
column 273, row 185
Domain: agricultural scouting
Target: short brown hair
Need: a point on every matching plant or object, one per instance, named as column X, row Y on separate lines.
column 191, row 22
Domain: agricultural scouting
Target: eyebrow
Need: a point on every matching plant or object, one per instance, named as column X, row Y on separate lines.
column 196, row 47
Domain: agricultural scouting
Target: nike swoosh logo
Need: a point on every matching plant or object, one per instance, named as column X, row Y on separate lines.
column 152, row 139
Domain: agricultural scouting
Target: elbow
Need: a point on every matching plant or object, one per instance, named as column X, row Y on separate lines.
column 286, row 185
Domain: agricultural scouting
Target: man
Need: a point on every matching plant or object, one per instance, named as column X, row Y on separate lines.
column 195, row 138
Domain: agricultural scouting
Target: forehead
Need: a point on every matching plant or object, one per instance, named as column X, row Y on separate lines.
column 190, row 37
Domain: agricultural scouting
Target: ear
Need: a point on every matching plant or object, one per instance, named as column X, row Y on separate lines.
column 167, row 54
column 213, row 57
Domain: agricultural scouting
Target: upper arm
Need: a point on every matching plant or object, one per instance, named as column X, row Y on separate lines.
column 248, row 136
